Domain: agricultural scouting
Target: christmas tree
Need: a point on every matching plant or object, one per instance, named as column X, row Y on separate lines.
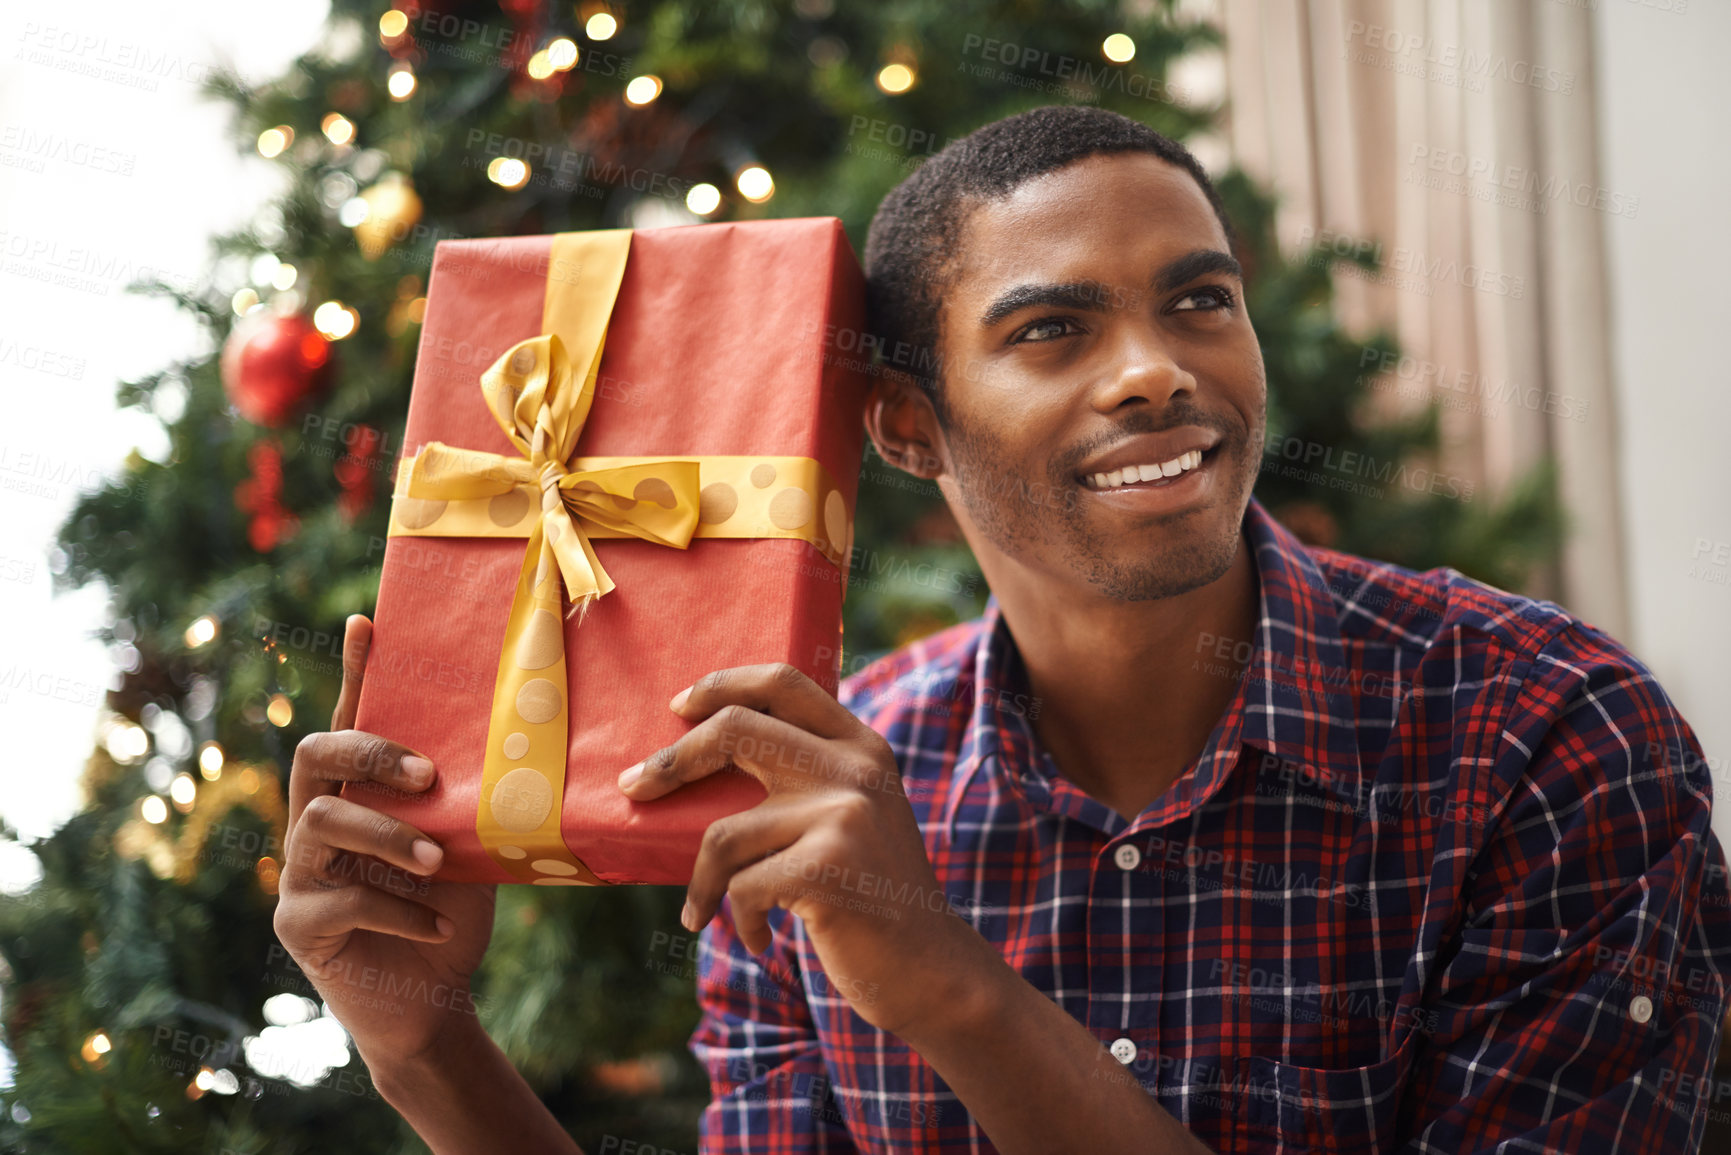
column 146, row 1001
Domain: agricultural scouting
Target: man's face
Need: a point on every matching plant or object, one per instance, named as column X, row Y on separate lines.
column 1096, row 325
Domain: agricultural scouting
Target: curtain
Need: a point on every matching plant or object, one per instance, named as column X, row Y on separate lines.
column 1456, row 140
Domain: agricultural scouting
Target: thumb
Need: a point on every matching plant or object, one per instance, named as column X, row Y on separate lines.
column 357, row 638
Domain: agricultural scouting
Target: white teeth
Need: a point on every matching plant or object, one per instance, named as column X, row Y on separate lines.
column 1134, row 473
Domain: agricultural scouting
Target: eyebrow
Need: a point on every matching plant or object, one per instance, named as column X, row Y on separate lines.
column 1093, row 296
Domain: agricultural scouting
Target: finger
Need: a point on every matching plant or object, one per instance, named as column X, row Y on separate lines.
column 323, row 761
column 775, row 688
column 772, row 751
column 736, row 841
column 331, row 823
column 357, row 640
column 306, row 919
column 751, row 894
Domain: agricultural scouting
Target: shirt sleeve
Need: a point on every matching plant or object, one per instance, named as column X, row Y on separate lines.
column 1579, row 1005
column 771, row 1093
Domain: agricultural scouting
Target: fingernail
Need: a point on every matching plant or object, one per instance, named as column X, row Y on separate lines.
column 428, row 854
column 418, row 770
column 679, row 698
column 630, row 776
column 444, row 925
column 687, row 916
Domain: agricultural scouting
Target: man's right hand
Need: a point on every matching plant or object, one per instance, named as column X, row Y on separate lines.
column 390, row 950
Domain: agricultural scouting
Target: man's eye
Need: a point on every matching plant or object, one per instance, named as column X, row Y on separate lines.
column 1046, row 330
column 1213, row 297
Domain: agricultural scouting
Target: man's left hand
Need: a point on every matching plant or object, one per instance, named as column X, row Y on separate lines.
column 835, row 843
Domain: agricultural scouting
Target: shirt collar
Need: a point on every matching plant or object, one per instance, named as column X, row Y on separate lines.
column 1294, row 701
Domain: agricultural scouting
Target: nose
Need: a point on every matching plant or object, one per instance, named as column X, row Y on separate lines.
column 1142, row 367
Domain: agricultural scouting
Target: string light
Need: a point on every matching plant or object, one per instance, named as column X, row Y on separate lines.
column 95, row 1047
column 249, row 781
column 127, row 742
column 183, row 791
column 392, row 25
column 210, row 761
column 642, row 90
column 268, row 874
column 895, row 79
column 1118, row 48
column 562, row 54
column 401, row 82
column 272, row 141
column 703, row 199
column 243, row 303
column 755, row 184
column 540, row 65
column 204, row 630
column 280, row 711
column 338, row 129
column 600, row 26
column 153, row 810
column 335, row 320
column 284, row 278
column 508, row 172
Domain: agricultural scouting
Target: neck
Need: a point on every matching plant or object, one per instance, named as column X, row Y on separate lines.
column 1127, row 695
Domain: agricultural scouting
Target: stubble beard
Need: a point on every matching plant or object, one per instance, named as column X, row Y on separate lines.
column 1039, row 523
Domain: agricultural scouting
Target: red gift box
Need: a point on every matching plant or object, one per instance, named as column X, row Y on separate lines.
column 723, row 340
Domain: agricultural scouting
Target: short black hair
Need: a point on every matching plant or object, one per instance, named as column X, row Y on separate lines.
column 911, row 251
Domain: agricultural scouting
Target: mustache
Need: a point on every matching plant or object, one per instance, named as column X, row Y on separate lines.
column 1145, row 421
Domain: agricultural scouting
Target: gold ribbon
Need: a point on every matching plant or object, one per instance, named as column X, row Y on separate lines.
column 540, row 392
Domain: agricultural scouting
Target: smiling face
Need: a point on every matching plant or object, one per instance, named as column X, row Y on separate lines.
column 1103, row 388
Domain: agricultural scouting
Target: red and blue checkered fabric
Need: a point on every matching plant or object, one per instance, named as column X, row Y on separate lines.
column 1442, row 881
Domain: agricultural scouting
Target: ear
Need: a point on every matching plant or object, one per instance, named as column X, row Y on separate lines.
column 903, row 425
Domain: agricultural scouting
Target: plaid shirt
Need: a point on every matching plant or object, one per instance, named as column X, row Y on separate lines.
column 1442, row 880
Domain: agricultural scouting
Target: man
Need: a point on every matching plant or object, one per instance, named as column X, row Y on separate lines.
column 1197, row 840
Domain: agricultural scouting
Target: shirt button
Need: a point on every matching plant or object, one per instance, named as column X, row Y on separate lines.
column 1127, row 857
column 1641, row 1008
column 1124, row 1050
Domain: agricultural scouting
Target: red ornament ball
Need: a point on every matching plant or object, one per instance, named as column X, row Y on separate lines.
column 272, row 364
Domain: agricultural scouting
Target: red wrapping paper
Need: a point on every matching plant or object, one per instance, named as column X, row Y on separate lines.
column 722, row 341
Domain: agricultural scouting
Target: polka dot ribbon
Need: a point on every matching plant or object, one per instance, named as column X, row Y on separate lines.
column 540, row 392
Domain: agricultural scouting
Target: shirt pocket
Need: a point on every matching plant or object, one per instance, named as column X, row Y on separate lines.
column 1354, row 1109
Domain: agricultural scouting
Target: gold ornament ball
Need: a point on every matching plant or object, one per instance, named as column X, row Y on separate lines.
column 392, row 210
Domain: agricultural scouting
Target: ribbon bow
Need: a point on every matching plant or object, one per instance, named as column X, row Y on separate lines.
column 538, row 399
